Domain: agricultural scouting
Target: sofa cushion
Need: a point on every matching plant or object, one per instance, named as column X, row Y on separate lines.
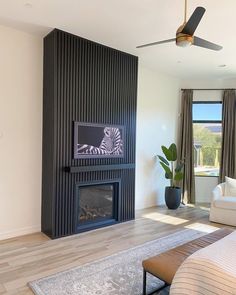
column 226, row 203
column 230, row 187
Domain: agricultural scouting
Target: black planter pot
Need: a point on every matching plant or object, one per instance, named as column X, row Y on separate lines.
column 172, row 197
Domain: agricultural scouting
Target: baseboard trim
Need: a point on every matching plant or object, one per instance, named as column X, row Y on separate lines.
column 148, row 206
column 19, row 232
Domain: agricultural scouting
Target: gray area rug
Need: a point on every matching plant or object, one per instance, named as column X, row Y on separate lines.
column 119, row 274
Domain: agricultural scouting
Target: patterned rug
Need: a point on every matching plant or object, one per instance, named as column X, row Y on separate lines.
column 119, row 274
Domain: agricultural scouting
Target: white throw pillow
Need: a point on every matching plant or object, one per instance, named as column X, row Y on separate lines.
column 230, row 187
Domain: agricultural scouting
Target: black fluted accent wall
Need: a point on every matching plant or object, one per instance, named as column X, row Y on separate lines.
column 88, row 82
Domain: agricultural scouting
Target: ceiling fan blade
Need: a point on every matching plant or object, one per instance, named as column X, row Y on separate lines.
column 206, row 44
column 193, row 21
column 156, row 43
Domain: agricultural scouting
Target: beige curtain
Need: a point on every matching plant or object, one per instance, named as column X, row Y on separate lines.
column 186, row 146
column 228, row 153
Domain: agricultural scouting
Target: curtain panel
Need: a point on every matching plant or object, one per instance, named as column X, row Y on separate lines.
column 185, row 146
column 228, row 152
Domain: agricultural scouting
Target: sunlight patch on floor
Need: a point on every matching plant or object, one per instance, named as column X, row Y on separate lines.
column 165, row 218
column 205, row 208
column 206, row 228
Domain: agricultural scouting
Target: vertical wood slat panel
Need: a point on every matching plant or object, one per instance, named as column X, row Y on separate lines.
column 91, row 83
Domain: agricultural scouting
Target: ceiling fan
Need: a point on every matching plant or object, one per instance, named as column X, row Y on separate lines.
column 185, row 33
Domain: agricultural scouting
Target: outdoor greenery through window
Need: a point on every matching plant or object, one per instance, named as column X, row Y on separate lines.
column 207, row 133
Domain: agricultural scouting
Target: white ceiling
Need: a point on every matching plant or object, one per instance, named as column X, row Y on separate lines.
column 124, row 24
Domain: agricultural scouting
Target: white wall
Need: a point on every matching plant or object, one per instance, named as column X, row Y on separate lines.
column 20, row 132
column 205, row 185
column 21, row 66
column 157, row 116
column 208, row 83
column 21, row 62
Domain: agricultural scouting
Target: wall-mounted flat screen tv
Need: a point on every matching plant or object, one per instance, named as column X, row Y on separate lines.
column 98, row 140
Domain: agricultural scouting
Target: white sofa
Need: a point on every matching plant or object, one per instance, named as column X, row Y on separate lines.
column 223, row 207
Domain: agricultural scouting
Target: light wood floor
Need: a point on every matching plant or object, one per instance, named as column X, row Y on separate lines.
column 34, row 256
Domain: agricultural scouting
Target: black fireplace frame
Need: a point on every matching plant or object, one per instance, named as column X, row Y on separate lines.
column 94, row 225
column 84, row 81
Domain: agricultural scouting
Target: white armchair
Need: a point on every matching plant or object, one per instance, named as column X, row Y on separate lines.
column 223, row 207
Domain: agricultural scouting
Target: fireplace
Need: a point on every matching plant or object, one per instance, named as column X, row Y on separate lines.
column 93, row 88
column 97, row 204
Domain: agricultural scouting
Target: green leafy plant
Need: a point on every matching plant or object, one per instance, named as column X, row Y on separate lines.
column 173, row 168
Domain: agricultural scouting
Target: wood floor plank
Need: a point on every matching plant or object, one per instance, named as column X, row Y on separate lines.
column 34, row 256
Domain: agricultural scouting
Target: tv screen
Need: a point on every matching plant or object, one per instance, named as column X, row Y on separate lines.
column 98, row 140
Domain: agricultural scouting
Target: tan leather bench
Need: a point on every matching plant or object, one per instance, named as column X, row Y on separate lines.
column 165, row 265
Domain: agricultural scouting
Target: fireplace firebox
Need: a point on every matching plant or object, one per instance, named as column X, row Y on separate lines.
column 97, row 204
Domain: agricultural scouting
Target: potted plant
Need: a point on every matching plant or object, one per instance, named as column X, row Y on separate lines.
column 173, row 172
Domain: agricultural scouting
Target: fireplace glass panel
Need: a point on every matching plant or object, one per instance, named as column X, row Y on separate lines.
column 95, row 203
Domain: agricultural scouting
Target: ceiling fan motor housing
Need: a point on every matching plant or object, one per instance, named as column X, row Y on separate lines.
column 183, row 40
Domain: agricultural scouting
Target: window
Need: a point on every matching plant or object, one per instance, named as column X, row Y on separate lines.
column 207, row 134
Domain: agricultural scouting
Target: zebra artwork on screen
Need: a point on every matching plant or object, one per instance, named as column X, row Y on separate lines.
column 98, row 140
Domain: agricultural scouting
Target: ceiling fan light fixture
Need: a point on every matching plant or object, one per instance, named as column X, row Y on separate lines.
column 184, row 41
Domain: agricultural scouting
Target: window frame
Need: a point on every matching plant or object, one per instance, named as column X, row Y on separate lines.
column 206, row 121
